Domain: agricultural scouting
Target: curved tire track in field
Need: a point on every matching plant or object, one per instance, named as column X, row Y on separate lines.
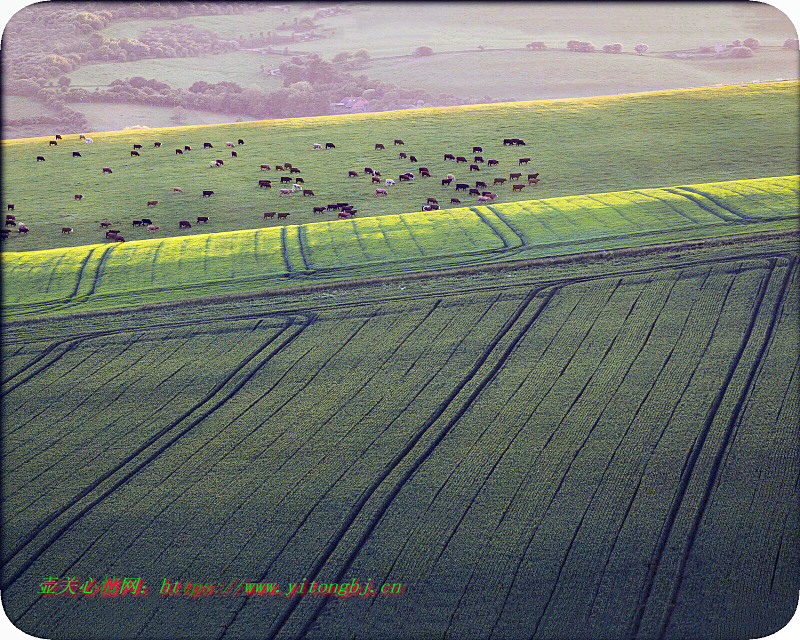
column 325, row 555
column 8, row 580
column 666, row 531
column 488, row 223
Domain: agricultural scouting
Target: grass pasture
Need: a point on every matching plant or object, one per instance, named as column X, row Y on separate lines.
column 578, row 146
column 605, row 451
column 175, row 268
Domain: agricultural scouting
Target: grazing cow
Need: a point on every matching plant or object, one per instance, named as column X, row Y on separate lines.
column 265, row 184
column 317, row 145
column 66, row 230
column 286, row 192
column 433, row 200
column 425, row 174
column 137, row 146
column 294, row 170
column 403, row 155
column 378, row 145
column 486, row 193
column 517, row 187
column 461, row 187
column 4, row 234
column 78, row 196
column 520, row 143
column 107, row 170
column 208, row 145
column 134, row 153
column 455, row 201
column 10, row 207
column 478, row 158
column 299, row 181
column 39, row 158
column 514, row 176
column 76, row 154
column 58, row 136
column 230, row 144
column 157, row 145
column 479, row 184
column 220, row 163
column 461, row 159
column 283, row 216
column 269, row 214
column 287, row 165
column 152, row 203
column 240, row 141
column 412, row 158
column 184, row 224
column 119, row 238
column 381, row 192
column 265, row 167
column 234, row 154
column 533, row 180
column 88, row 140
column 207, row 194
column 344, row 214
column 449, row 156
column 368, row 170
column 319, row 209
column 177, row 190
column 307, row 192
column 492, row 163
column 446, row 181
column 398, row 141
column 105, row 225
column 330, row 145
column 508, row 141
column 11, row 223
column 203, row 219
column 474, row 192
column 111, row 234
column 474, row 167
column 524, row 160
column 499, row 181
column 213, row 165
column 492, row 195
column 82, row 137
column 434, row 207
column 22, row 228
column 425, row 207
column 409, row 175
column 450, row 176
column 152, row 227
column 332, row 207
column 146, row 221
column 285, row 179
column 186, row 147
column 278, row 167
column 477, row 149
column 178, row 152
column 533, row 175
column 53, row 143
column 422, row 169
column 388, row 182
column 376, row 179
column 137, row 223
column 352, row 174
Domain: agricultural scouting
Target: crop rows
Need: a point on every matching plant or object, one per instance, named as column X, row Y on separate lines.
column 191, row 266
column 609, row 456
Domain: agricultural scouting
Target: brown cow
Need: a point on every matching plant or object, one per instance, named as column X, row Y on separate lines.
column 319, row 209
column 492, row 163
column 352, row 174
column 39, row 158
column 461, row 159
column 156, row 144
column 499, row 181
column 398, row 141
column 449, row 156
column 119, row 238
column 184, row 224
column 524, row 160
column 58, row 137
column 208, row 145
column 264, row 184
column 187, row 147
column 403, row 155
column 177, row 190
column 446, row 181
column 105, row 225
column 474, row 167
column 286, row 192
column 78, row 196
column 517, row 187
column 137, row 146
column 455, row 201
column 478, row 158
column 152, row 203
column 344, row 214
column 381, row 192
column 53, row 143
column 278, row 167
column 178, row 152
column 66, row 229
column 533, row 180
column 107, row 170
column 283, row 216
column 378, row 145
column 152, row 227
column 412, row 158
column 111, row 234
column 294, row 170
column 203, row 219
column 514, row 176
column 474, row 192
column 134, row 153
column 434, row 200
column 480, row 184
column 22, row 228
column 265, row 167
column 137, row 223
column 269, row 214
column 307, row 192
column 376, row 179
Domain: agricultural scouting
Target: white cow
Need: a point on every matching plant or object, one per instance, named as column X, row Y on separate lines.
column 317, row 145
column 213, row 165
column 388, row 182
column 89, row 140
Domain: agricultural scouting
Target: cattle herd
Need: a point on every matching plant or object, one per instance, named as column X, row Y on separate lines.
column 294, row 183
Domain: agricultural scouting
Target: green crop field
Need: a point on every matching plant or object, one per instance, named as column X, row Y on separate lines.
column 579, row 146
column 129, row 273
column 604, row 450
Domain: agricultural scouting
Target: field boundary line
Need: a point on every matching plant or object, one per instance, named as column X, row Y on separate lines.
column 356, row 510
column 522, row 238
column 494, row 229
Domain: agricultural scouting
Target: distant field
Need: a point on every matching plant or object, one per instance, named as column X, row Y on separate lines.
column 559, row 74
column 604, row 451
column 104, row 116
column 451, row 27
column 98, row 276
column 16, row 107
column 578, row 146
column 242, row 67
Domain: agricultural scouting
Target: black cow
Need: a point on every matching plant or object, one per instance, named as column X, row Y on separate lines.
column 449, row 156
column 330, row 145
column 241, row 141
column 202, row 219
column 264, row 184
column 39, row 158
column 461, row 187
column 477, row 149
column 208, row 145
column 524, row 160
column 76, row 154
column 207, row 193
column 285, row 179
column 474, row 192
column 398, row 141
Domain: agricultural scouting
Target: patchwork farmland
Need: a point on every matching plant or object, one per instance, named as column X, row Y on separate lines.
column 554, row 456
